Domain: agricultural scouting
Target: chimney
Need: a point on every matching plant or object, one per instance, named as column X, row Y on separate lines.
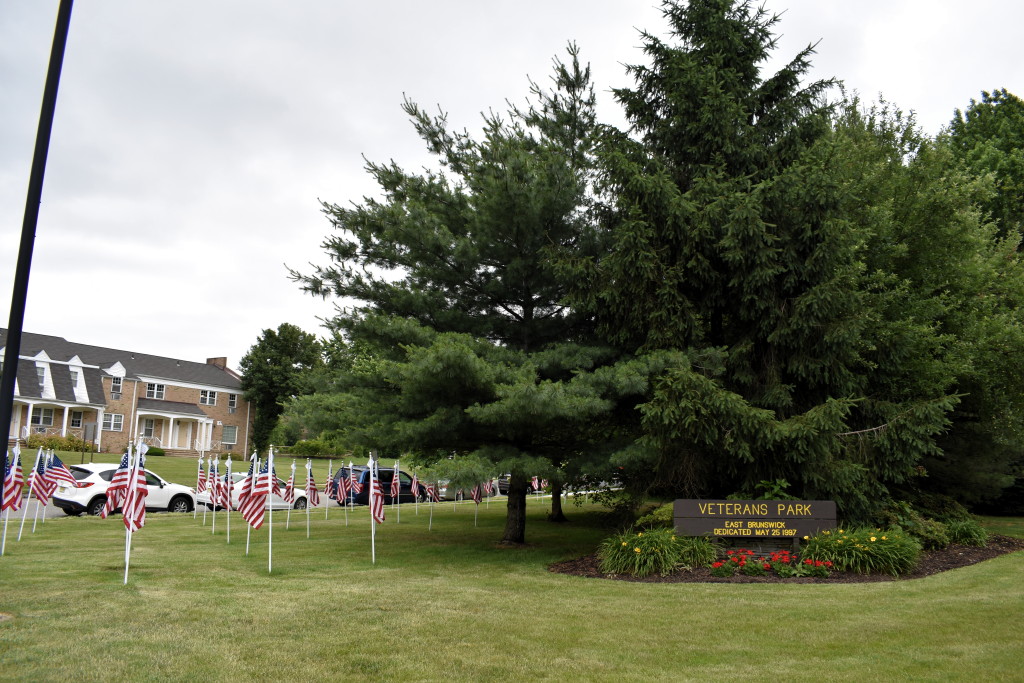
column 221, row 362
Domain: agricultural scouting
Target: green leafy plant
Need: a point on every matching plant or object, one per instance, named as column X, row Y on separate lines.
column 967, row 532
column 59, row 443
column 660, row 516
column 865, row 551
column 695, row 551
column 642, row 553
column 931, row 533
column 155, row 450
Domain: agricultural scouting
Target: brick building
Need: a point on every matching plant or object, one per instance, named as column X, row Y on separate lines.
column 108, row 397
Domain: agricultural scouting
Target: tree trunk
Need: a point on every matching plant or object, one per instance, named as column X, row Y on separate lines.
column 556, row 503
column 515, row 521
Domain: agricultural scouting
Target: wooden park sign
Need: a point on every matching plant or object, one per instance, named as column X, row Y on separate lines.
column 781, row 519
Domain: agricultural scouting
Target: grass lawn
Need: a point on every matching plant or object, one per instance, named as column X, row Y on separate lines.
column 447, row 604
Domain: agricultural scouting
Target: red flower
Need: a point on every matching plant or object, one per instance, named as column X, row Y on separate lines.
column 767, row 566
column 827, row 563
column 716, row 565
column 808, row 561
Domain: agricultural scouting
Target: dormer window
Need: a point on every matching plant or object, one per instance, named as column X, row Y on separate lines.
column 155, row 391
column 41, row 374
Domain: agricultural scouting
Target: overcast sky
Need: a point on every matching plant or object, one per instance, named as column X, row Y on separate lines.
column 193, row 138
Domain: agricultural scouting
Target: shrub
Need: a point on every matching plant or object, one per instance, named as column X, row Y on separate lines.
column 695, row 551
column 865, row 551
column 155, row 450
column 659, row 517
column 967, row 532
column 640, row 553
column 57, row 442
column 931, row 534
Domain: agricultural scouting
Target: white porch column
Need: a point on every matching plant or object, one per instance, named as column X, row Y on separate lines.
column 99, row 429
column 64, row 424
column 171, row 441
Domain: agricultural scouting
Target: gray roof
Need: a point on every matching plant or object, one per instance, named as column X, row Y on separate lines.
column 170, row 406
column 135, row 364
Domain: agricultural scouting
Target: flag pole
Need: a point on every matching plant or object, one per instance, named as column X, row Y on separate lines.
column 199, row 474
column 24, row 513
column 373, row 522
column 209, row 461
column 7, row 518
column 228, row 485
column 256, row 472
column 430, row 524
column 132, row 474
column 288, row 515
column 398, row 498
column 270, row 502
column 215, row 494
column 309, row 477
column 327, row 489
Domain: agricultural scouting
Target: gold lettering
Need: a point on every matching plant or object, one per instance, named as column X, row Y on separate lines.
column 782, row 506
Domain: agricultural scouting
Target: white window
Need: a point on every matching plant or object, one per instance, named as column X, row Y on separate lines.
column 148, row 427
column 230, row 435
column 41, row 375
column 112, row 422
column 154, row 390
column 42, row 417
column 207, row 398
column 76, row 418
column 74, row 378
column 115, row 388
column 232, row 402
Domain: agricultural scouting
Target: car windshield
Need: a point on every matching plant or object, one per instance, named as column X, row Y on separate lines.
column 80, row 473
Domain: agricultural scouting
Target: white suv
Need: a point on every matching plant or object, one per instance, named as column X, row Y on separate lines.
column 91, row 493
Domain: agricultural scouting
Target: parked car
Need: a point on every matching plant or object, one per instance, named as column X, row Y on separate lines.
column 362, row 476
column 274, row 501
column 449, row 491
column 91, row 494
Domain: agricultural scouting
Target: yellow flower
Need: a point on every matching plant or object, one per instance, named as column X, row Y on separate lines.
column 624, row 543
column 840, row 531
column 807, row 538
column 883, row 538
column 636, row 550
column 872, row 539
column 640, row 534
column 839, row 541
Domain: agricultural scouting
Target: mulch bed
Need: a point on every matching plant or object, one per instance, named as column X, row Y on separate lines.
column 931, row 562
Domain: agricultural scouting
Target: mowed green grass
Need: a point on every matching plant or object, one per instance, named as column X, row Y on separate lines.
column 448, row 604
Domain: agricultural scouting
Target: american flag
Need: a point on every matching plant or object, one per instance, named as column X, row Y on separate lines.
column 13, row 481
column 289, row 487
column 118, row 484
column 354, row 484
column 211, row 481
column 475, row 493
column 311, row 492
column 376, row 496
column 253, row 508
column 329, row 484
column 396, row 485
column 275, row 482
column 200, row 478
column 37, row 479
column 134, row 509
column 57, row 472
column 432, row 493
column 488, row 487
column 344, row 485
column 415, row 486
column 224, row 486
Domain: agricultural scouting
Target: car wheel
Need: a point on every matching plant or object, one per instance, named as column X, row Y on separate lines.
column 300, row 504
column 180, row 504
column 96, row 505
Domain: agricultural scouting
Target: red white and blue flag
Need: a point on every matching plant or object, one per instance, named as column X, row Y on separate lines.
column 535, row 483
column 118, row 485
column 224, row 486
column 344, row 485
column 245, row 486
column 376, row 495
column 14, row 479
column 311, row 493
column 57, row 472
column 200, row 477
column 254, row 508
column 414, row 487
column 329, row 487
column 37, row 485
column 211, row 481
column 289, row 487
column 396, row 485
column 475, row 493
column 354, row 485
column 488, row 487
column 432, row 494
column 134, row 507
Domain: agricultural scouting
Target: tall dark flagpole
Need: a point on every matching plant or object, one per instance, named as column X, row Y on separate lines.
column 28, row 227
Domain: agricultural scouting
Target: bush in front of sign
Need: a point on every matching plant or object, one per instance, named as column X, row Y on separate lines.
column 865, row 550
column 641, row 553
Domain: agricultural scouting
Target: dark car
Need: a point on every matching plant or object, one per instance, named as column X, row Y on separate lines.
column 361, row 473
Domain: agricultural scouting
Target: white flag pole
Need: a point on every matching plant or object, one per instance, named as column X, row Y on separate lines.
column 209, row 462
column 350, row 498
column 430, row 524
column 132, row 475
column 270, row 499
column 256, row 473
column 28, row 500
column 49, row 461
column 327, row 488
column 288, row 515
column 416, row 494
column 230, row 485
column 199, row 471
column 216, row 487
column 35, row 513
column 7, row 519
column 373, row 522
column 309, row 476
column 398, row 498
